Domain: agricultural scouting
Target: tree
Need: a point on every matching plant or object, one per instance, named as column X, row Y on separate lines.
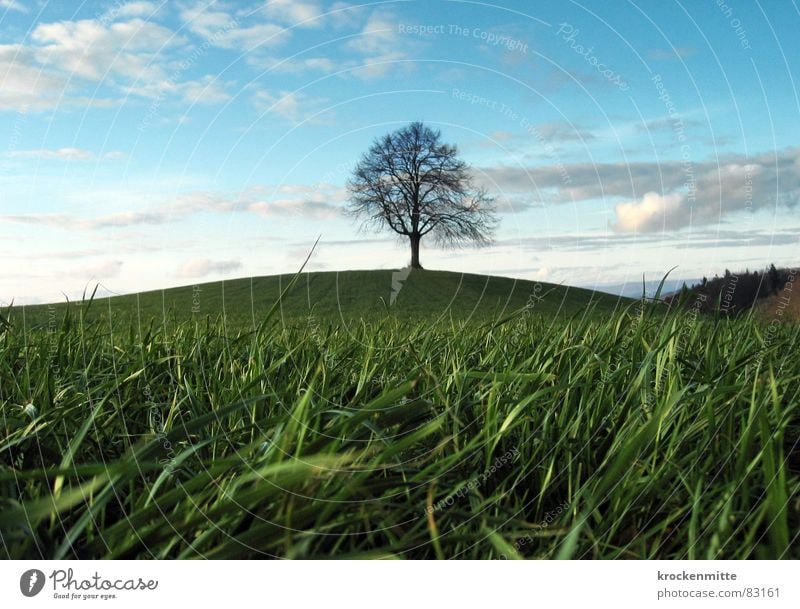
column 415, row 185
column 774, row 281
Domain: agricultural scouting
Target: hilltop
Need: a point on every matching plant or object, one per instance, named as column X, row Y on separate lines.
column 340, row 295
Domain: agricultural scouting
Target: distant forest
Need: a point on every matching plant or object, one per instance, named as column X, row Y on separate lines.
column 734, row 293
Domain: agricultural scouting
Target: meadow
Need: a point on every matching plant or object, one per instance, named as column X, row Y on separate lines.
column 471, row 419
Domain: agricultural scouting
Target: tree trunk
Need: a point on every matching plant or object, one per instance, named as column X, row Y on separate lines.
column 415, row 239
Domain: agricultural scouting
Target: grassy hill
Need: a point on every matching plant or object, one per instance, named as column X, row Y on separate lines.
column 644, row 433
column 340, row 295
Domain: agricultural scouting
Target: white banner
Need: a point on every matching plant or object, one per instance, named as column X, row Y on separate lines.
column 350, row 585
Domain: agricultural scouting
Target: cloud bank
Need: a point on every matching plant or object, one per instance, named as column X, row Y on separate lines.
column 651, row 196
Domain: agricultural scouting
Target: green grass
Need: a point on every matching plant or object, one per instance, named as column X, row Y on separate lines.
column 619, row 434
column 333, row 296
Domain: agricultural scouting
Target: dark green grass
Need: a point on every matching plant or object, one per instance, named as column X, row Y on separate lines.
column 343, row 296
column 625, row 435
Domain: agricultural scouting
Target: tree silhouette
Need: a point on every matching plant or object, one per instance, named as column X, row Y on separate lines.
column 413, row 184
column 736, row 293
column 773, row 280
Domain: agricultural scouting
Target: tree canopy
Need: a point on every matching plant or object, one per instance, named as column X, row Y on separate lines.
column 415, row 185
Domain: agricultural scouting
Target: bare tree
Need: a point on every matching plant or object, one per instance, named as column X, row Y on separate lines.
column 413, row 184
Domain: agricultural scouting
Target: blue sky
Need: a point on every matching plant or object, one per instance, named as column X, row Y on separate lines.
column 150, row 144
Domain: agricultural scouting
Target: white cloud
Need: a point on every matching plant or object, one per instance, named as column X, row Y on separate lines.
column 305, row 13
column 562, row 131
column 222, row 29
column 293, row 65
column 206, row 90
column 69, row 222
column 248, row 38
column 295, row 107
column 732, row 185
column 652, row 213
column 94, row 51
column 13, row 5
column 66, row 154
column 380, row 46
column 25, row 85
column 502, row 135
column 344, row 14
column 131, row 9
column 306, row 209
column 104, row 270
column 133, row 56
column 200, row 267
column 311, row 203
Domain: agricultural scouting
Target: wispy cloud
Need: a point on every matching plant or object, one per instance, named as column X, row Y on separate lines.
column 124, row 10
column 65, row 154
column 207, row 90
column 67, row 222
column 308, row 203
column 302, row 13
column 13, row 5
column 293, row 106
column 379, row 45
column 201, row 267
column 222, row 28
column 292, row 65
column 555, row 132
column 101, row 271
column 668, row 124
